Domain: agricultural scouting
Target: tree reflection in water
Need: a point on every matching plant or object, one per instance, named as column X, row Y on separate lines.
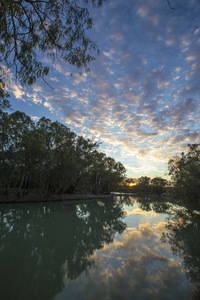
column 40, row 245
column 184, row 226
column 43, row 247
column 183, row 233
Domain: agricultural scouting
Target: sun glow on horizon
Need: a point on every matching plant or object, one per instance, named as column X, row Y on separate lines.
column 132, row 184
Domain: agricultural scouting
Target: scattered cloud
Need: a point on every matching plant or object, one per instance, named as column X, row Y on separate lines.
column 141, row 98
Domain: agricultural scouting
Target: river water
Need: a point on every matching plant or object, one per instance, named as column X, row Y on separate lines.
column 120, row 248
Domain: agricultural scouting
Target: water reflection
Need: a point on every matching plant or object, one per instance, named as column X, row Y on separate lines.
column 127, row 248
column 156, row 205
column 184, row 237
column 182, row 232
column 41, row 245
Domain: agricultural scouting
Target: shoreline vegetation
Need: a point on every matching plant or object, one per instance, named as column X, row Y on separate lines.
column 77, row 197
column 47, row 157
column 43, row 161
column 34, row 197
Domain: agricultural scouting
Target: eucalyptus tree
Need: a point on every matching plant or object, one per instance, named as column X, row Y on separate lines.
column 143, row 184
column 4, row 98
column 184, row 170
column 55, row 28
column 106, row 173
column 49, row 157
column 64, row 168
column 15, row 159
column 21, row 125
column 158, row 185
column 97, row 171
column 55, row 165
column 83, row 155
column 5, row 164
column 114, row 173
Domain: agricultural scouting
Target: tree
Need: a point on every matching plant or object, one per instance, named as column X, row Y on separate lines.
column 117, row 173
column 4, row 102
column 83, row 155
column 56, row 28
column 55, row 169
column 185, row 172
column 106, row 173
column 158, row 185
column 144, row 180
column 49, row 158
column 143, row 184
column 14, row 155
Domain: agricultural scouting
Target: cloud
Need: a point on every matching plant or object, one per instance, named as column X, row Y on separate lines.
column 17, row 91
column 141, row 98
column 35, row 118
column 49, row 106
column 182, row 112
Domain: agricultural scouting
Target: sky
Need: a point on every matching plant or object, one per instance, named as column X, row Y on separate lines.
column 141, row 99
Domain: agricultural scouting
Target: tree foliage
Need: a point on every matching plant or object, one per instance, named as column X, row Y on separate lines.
column 4, row 102
column 158, row 185
column 145, row 185
column 33, row 29
column 185, row 172
column 48, row 156
column 56, row 28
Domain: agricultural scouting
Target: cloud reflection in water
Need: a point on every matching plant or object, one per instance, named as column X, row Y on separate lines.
column 137, row 265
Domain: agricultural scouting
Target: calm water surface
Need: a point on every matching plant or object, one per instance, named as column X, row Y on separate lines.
column 121, row 248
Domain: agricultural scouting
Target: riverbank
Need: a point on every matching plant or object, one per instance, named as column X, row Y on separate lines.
column 12, row 197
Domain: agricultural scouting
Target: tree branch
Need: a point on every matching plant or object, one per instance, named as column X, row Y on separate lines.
column 170, row 4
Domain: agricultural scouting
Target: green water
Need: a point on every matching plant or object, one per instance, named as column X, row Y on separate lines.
column 121, row 248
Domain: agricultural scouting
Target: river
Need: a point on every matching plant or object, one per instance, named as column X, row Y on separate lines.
column 117, row 248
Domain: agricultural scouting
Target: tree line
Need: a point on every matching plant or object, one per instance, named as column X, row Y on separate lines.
column 146, row 185
column 184, row 170
column 48, row 156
